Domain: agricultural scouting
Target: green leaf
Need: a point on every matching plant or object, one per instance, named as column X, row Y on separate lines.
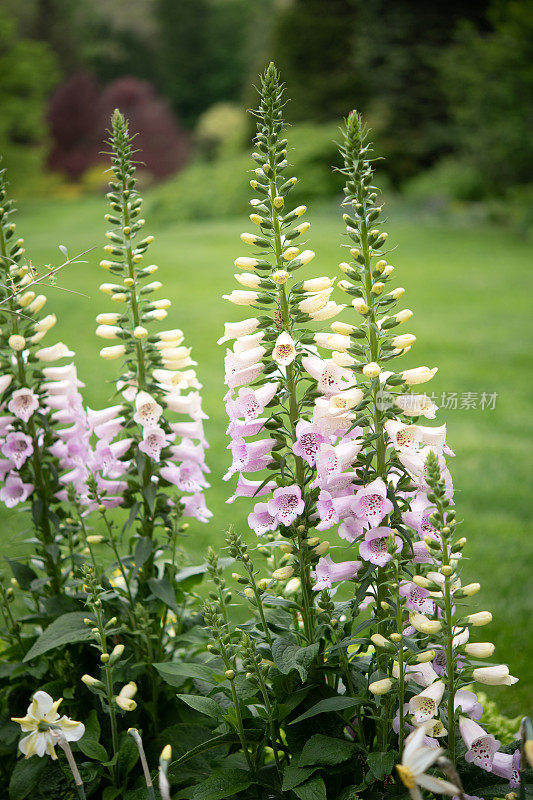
column 205, row 705
column 128, row 755
column 294, row 776
column 176, row 673
column 92, row 749
column 338, row 703
column 380, row 764
column 22, row 573
column 288, row 655
column 209, row 744
column 221, row 784
column 67, row 629
column 25, row 776
column 324, row 750
column 162, row 589
column 143, row 550
column 314, row 789
column 110, row 793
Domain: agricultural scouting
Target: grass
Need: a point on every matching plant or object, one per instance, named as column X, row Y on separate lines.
column 468, row 289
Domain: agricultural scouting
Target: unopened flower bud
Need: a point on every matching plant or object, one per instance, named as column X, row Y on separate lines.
column 96, row 538
column 480, row 649
column 381, row 687
column 360, row 306
column 479, row 619
column 16, row 342
column 371, row 370
column 140, row 332
column 230, row 674
column 283, row 573
column 280, row 277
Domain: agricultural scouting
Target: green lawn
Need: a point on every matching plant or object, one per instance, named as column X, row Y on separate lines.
column 468, row 288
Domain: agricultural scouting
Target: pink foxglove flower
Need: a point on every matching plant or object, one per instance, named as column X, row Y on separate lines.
column 507, row 766
column 371, row 502
column 154, row 440
column 426, row 704
column 17, row 447
column 417, row 598
column 261, row 520
column 15, row 491
column 286, row 504
column 308, row 441
column 377, row 546
column 147, row 410
column 328, row 572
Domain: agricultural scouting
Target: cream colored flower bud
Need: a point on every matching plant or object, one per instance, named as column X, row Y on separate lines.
column 95, row 538
column 404, row 340
column 379, row 640
column 158, row 313
column 423, row 624
column 283, row 573
column 37, row 304
column 380, row 266
column 494, row 676
column 360, row 306
column 26, row 299
column 303, row 227
column 129, row 282
column 321, row 549
column 88, row 680
column 140, row 332
column 246, row 263
column 299, row 211
column 125, row 703
column 314, row 303
column 248, row 238
column 280, row 277
column 293, row 586
column 479, row 619
column 256, row 219
column 248, row 279
column 397, row 293
column 424, row 658
column 371, row 370
column 239, row 298
column 106, row 264
column 166, row 753
column 342, row 359
column 249, row 593
column 108, row 319
column 317, row 284
column 128, row 690
column 108, row 331
column 163, row 303
column 346, row 268
column 378, row 287
column 119, row 297
column 290, row 253
column 343, row 328
column 381, row 687
column 388, row 270
column 404, row 316
column 115, row 351
column 16, row 342
column 109, row 288
column 480, row 649
column 344, row 401
column 418, row 375
column 471, row 589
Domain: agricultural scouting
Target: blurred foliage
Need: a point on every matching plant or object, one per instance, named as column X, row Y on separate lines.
column 207, row 189
column 28, row 70
column 488, row 77
column 446, row 86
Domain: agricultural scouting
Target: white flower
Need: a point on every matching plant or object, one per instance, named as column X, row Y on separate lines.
column 242, row 298
column 284, row 351
column 494, row 676
column 115, row 351
column 54, row 353
column 330, row 310
column 232, row 330
column 42, row 713
column 23, row 403
column 147, row 410
column 425, row 705
column 416, row 758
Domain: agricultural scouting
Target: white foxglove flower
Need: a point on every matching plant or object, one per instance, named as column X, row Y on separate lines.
column 329, row 311
column 41, row 715
column 284, row 351
column 425, row 705
column 147, row 410
column 416, row 759
column 418, row 375
column 232, row 330
column 54, row 353
column 494, row 676
column 242, row 298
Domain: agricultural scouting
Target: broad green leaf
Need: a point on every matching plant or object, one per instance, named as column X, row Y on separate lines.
column 162, row 589
column 25, row 776
column 330, row 704
column 221, row 784
column 205, row 705
column 22, row 573
column 143, row 550
column 288, row 655
column 294, row 776
column 128, row 755
column 313, row 789
column 92, row 749
column 380, row 764
column 67, row 629
column 325, row 750
column 176, row 673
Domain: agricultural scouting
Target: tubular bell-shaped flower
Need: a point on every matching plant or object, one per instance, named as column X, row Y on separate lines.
column 158, row 378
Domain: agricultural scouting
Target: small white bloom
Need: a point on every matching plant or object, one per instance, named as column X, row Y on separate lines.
column 317, row 284
column 330, row 310
column 416, row 759
column 240, row 298
column 425, row 705
column 248, row 279
column 494, row 676
column 42, row 713
column 115, row 351
column 108, row 331
column 54, row 353
column 418, row 375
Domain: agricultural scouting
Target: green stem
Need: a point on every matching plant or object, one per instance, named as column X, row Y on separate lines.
column 401, row 662
column 108, row 673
